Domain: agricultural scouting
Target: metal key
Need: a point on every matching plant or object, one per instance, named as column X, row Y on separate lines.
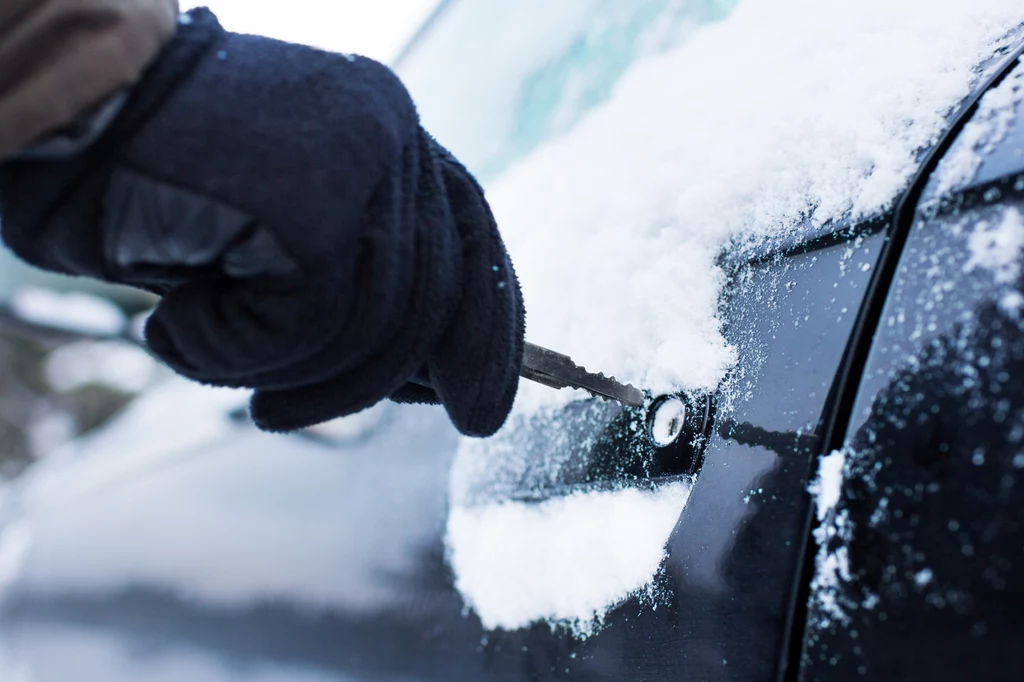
column 559, row 371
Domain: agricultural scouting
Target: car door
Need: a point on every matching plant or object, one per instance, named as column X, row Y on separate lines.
column 919, row 507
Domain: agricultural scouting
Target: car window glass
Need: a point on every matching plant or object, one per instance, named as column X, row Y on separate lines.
column 530, row 70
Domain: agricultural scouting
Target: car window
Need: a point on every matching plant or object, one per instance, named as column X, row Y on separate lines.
column 493, row 81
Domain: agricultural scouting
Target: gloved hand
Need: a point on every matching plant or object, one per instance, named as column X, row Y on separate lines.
column 309, row 239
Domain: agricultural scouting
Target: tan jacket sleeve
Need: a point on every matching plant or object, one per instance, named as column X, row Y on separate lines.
column 58, row 58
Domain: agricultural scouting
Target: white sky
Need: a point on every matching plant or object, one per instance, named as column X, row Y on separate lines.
column 374, row 28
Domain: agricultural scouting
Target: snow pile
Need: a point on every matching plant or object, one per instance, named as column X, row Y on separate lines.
column 997, row 246
column 565, row 560
column 829, row 484
column 833, row 534
column 72, row 311
column 784, row 111
column 541, row 526
column 987, row 128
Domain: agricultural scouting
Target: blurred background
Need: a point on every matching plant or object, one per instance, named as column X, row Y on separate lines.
column 67, row 361
column 375, row 28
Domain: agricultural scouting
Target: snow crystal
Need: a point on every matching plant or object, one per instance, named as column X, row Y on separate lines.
column 924, row 577
column 997, row 246
column 987, row 128
column 1011, row 303
column 71, row 311
column 565, row 560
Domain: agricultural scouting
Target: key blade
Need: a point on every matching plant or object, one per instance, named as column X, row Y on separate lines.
column 559, row 371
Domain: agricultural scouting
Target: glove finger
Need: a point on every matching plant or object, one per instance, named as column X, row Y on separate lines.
column 415, row 394
column 299, row 408
column 475, row 366
column 377, row 378
column 230, row 333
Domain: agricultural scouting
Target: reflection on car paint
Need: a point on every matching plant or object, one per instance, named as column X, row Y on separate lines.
column 923, row 542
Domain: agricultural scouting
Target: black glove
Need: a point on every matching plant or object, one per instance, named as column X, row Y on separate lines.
column 309, row 239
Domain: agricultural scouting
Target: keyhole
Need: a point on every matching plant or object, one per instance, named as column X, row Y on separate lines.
column 667, row 421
